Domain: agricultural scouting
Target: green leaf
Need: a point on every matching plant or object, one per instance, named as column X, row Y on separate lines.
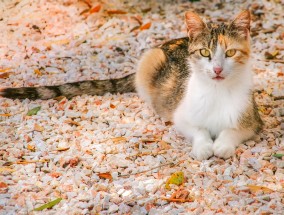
column 278, row 155
column 48, row 205
column 176, row 178
column 33, row 111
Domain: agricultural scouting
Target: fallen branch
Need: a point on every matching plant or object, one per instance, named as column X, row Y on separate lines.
column 172, row 164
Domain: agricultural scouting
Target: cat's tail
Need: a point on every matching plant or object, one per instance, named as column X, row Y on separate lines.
column 69, row 90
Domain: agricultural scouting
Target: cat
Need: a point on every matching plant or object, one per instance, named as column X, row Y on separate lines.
column 202, row 82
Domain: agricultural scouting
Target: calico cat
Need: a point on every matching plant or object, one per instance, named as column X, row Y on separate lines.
column 203, row 83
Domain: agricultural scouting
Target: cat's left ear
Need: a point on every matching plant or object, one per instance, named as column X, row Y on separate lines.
column 242, row 23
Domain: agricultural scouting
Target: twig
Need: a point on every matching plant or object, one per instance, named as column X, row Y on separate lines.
column 278, row 98
column 166, row 164
column 274, row 60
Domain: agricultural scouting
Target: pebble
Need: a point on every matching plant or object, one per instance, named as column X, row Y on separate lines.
column 113, row 209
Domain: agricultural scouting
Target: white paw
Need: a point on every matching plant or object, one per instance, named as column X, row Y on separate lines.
column 223, row 149
column 203, row 150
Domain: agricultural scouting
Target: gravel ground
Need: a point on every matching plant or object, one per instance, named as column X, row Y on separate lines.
column 113, row 154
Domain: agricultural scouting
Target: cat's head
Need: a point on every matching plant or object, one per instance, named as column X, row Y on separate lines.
column 219, row 51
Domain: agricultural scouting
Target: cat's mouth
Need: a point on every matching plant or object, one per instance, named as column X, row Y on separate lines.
column 218, row 78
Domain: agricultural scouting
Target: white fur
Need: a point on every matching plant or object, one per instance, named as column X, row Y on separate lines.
column 212, row 108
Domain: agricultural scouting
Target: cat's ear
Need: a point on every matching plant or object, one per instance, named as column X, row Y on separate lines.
column 194, row 23
column 242, row 23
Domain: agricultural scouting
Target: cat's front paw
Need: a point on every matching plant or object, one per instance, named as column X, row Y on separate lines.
column 203, row 150
column 223, row 149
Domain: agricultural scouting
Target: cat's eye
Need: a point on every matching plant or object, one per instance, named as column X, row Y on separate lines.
column 205, row 52
column 230, row 52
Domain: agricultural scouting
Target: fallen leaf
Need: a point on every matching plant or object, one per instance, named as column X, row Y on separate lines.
column 135, row 28
column 181, row 195
column 55, row 174
column 146, row 26
column 176, row 178
column 74, row 162
column 57, row 42
column 112, row 106
column 168, row 123
column 31, row 147
column 29, row 161
column 164, row 145
column 5, row 75
column 33, row 111
column 279, row 74
column 105, row 175
column 146, row 10
column 255, row 188
column 272, row 55
column 38, row 128
column 112, row 12
column 278, row 155
column 95, row 9
column 62, row 149
column 5, row 70
column 48, row 205
column 72, row 122
column 118, row 139
column 3, row 185
column 5, row 114
column 27, row 138
column 59, row 98
column 37, row 72
column 5, row 169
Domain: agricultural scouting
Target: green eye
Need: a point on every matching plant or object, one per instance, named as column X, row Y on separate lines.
column 205, row 52
column 230, row 52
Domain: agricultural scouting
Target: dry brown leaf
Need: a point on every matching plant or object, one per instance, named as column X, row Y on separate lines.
column 112, row 12
column 112, row 106
column 38, row 128
column 118, row 139
column 5, row 169
column 31, row 161
column 5, row 75
column 165, row 145
column 105, row 175
column 95, row 9
column 5, row 114
column 5, row 70
column 256, row 188
column 3, row 185
column 57, row 42
column 55, row 174
column 72, row 122
column 74, row 162
column 27, row 138
column 146, row 26
column 279, row 74
column 62, row 149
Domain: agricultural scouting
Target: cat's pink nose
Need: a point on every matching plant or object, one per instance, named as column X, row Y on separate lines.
column 218, row 70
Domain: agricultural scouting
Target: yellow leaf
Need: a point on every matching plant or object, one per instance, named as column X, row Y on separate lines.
column 255, row 188
column 5, row 70
column 62, row 149
column 38, row 72
column 31, row 147
column 176, row 178
column 118, row 139
column 5, row 169
column 39, row 128
column 57, row 42
column 5, row 114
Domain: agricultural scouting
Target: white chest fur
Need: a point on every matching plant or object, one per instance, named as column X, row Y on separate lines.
column 213, row 105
